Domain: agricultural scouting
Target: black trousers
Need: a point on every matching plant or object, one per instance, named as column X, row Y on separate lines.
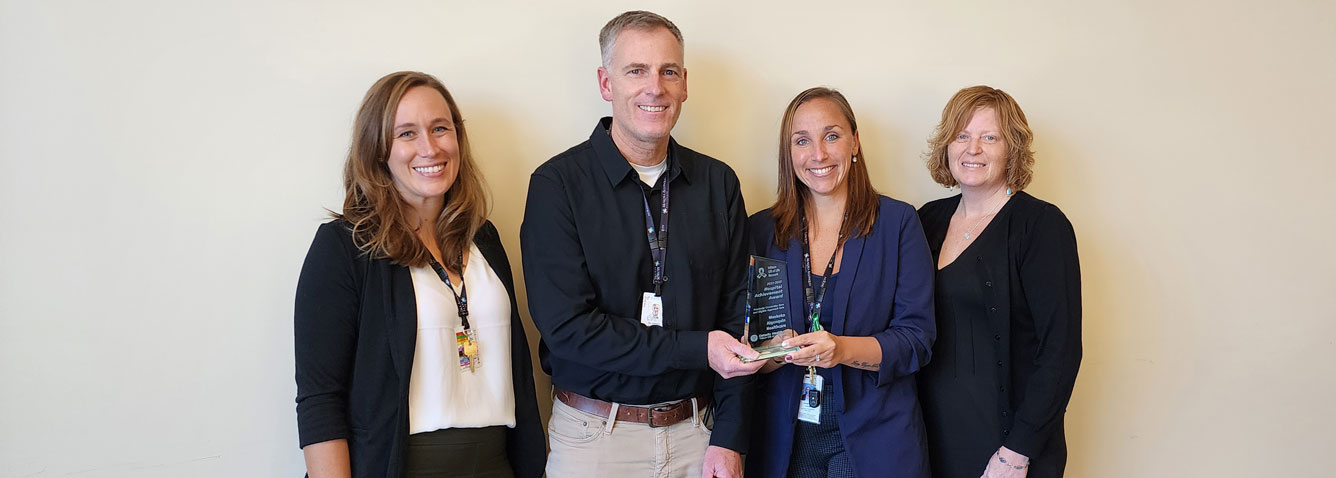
column 459, row 452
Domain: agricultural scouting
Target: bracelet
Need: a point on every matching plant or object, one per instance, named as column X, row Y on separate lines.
column 1004, row 462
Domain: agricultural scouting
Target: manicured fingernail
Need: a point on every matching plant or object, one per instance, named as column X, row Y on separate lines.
column 784, row 343
column 788, row 358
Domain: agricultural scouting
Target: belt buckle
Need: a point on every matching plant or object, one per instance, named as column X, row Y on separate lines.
column 649, row 419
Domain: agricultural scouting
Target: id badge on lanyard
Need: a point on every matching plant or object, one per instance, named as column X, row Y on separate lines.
column 466, row 340
column 651, row 303
column 651, row 309
column 809, row 404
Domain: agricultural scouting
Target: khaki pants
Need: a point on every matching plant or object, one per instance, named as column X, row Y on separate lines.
column 585, row 445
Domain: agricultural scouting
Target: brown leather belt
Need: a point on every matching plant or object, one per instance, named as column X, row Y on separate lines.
column 653, row 416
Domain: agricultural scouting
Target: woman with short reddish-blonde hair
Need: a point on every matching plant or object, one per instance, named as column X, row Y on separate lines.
column 1008, row 300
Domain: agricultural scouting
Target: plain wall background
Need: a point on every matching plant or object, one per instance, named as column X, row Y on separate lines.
column 163, row 167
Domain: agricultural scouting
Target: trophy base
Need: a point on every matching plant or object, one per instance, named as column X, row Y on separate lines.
column 769, row 352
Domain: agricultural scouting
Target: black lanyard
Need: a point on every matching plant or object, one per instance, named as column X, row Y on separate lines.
column 816, row 296
column 658, row 240
column 461, row 297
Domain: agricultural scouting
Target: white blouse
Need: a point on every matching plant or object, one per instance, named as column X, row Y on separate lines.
column 441, row 394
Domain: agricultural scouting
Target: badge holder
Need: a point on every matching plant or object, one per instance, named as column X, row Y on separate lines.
column 809, row 405
column 651, row 309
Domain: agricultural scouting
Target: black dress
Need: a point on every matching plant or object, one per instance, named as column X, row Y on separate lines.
column 1008, row 340
column 959, row 387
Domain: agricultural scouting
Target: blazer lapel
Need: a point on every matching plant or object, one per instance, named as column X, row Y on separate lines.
column 853, row 253
column 401, row 320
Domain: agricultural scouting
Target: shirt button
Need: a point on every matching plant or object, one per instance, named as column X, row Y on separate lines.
column 992, row 309
column 988, row 284
column 1004, row 414
column 1004, row 389
column 997, row 337
column 999, row 363
column 1006, row 432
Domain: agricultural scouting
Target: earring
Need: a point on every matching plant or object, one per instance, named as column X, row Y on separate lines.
column 855, row 158
column 1008, row 191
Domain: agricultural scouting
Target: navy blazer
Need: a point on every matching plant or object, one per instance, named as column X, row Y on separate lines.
column 885, row 292
column 356, row 331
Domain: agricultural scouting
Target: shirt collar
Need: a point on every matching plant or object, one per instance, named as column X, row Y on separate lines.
column 619, row 169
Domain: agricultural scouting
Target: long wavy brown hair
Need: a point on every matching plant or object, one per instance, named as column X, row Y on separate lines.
column 862, row 204
column 1011, row 120
column 377, row 211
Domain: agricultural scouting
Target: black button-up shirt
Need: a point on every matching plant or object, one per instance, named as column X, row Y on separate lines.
column 587, row 264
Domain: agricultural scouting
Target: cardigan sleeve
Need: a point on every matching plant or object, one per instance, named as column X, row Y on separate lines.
column 1050, row 278
column 525, row 445
column 906, row 344
column 325, row 332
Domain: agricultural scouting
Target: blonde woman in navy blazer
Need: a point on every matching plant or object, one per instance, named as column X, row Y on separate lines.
column 877, row 312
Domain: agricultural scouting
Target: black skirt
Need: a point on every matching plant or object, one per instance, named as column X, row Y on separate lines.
column 459, row 452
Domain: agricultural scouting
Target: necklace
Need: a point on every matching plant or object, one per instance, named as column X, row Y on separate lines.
column 974, row 227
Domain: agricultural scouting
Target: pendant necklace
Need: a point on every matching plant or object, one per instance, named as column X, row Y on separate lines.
column 971, row 231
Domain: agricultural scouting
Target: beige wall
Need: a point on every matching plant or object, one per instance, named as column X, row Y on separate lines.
column 163, row 167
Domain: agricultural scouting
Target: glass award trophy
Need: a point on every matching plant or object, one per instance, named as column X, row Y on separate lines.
column 766, row 313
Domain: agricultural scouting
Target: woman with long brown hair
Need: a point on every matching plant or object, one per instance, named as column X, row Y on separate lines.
column 410, row 356
column 860, row 290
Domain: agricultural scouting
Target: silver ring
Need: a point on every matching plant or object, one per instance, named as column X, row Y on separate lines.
column 818, row 357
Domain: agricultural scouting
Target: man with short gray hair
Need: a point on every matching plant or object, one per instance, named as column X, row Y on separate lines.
column 633, row 322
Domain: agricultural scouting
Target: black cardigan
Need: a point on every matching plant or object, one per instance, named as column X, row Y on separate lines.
column 356, row 330
column 1032, row 286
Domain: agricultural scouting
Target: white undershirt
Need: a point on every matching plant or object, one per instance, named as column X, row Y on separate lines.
column 650, row 174
column 440, row 393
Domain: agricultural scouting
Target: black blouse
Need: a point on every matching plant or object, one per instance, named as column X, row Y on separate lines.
column 587, row 262
column 1010, row 303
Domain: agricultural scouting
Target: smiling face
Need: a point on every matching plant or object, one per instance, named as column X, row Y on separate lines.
column 978, row 155
column 821, row 147
column 424, row 149
column 646, row 83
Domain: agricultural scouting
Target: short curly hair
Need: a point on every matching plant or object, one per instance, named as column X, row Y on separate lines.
column 1015, row 133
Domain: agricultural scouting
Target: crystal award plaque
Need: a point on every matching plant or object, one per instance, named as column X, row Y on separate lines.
column 766, row 314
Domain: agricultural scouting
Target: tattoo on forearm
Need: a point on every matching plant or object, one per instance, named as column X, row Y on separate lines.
column 866, row 365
